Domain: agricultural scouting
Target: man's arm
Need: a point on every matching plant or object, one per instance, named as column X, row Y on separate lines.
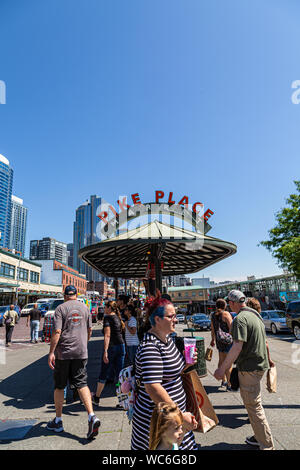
column 54, row 340
column 89, row 333
column 230, row 358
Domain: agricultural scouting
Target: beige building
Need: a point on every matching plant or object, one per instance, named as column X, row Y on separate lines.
column 189, row 298
column 20, row 280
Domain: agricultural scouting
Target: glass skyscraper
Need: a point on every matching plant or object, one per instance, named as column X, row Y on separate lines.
column 18, row 225
column 85, row 234
column 6, row 182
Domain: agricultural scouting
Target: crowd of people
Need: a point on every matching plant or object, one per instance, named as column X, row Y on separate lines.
column 142, row 335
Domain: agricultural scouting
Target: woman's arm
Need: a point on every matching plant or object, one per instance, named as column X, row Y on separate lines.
column 213, row 335
column 157, row 394
column 106, row 343
column 228, row 319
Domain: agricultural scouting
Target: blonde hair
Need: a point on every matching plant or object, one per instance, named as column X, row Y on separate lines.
column 253, row 303
column 162, row 416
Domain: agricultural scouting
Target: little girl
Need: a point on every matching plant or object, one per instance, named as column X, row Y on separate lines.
column 166, row 431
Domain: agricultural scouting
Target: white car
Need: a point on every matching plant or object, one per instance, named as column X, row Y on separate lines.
column 26, row 309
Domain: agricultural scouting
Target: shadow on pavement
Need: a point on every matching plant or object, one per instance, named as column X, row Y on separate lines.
column 32, row 387
column 40, row 430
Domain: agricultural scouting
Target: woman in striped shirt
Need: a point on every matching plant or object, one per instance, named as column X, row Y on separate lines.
column 159, row 365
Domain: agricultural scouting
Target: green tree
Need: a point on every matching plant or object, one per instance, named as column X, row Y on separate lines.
column 284, row 242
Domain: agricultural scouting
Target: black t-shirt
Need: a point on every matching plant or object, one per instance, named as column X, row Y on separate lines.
column 114, row 323
column 35, row 314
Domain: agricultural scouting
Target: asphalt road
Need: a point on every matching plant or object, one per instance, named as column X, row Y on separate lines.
column 26, row 393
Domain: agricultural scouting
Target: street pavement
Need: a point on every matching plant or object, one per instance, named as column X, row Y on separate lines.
column 26, row 393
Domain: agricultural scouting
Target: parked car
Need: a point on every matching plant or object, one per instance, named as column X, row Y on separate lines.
column 201, row 322
column 274, row 320
column 3, row 309
column 180, row 317
column 48, row 319
column 43, row 308
column 26, row 309
column 293, row 317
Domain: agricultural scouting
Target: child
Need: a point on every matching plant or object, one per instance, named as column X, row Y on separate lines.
column 166, row 431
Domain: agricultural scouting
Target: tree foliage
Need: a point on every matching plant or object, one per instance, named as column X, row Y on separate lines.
column 284, row 242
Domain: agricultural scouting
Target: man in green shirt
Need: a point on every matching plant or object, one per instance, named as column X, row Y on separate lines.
column 251, row 354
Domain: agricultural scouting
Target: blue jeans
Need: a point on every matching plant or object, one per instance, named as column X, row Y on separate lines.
column 34, row 330
column 131, row 351
column 116, row 357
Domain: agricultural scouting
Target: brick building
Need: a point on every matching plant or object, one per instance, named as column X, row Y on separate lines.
column 55, row 272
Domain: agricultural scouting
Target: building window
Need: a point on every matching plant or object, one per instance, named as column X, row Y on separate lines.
column 7, row 270
column 22, row 274
column 34, row 277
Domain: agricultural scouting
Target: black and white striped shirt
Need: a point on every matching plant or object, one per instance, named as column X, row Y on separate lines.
column 157, row 362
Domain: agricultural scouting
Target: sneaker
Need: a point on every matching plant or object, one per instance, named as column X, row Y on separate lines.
column 229, row 389
column 119, row 406
column 54, row 426
column 252, row 441
column 223, row 384
column 94, row 425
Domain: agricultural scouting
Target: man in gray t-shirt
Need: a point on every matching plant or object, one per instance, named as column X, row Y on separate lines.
column 68, row 357
column 75, row 321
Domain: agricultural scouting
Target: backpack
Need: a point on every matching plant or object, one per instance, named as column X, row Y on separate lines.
column 8, row 320
column 127, row 390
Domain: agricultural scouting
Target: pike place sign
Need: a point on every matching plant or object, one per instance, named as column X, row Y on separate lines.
column 112, row 218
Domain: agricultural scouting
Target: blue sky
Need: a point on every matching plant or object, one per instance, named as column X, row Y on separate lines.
column 124, row 96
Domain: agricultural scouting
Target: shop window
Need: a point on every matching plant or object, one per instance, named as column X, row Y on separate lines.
column 23, row 274
column 34, row 277
column 7, row 270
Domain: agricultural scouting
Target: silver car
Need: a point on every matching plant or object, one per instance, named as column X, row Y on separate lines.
column 274, row 320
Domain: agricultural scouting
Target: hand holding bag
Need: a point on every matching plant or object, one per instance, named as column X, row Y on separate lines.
column 208, row 354
column 272, row 380
column 198, row 403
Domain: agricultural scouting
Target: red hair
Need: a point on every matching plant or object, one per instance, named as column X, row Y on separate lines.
column 158, row 301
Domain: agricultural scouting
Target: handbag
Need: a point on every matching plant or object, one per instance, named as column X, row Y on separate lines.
column 198, row 403
column 208, row 354
column 222, row 336
column 234, row 379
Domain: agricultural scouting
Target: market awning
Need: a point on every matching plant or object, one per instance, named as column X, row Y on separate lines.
column 181, row 251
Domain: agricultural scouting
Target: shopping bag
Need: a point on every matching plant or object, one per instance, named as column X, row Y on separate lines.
column 272, row 380
column 198, row 403
column 208, row 354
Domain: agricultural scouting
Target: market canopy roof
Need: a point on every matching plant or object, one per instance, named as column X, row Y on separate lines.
column 126, row 256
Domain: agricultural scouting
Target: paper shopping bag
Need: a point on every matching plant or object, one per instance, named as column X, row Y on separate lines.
column 272, row 380
column 208, row 354
column 198, row 403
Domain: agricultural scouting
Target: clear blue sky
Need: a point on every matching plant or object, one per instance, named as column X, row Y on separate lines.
column 116, row 97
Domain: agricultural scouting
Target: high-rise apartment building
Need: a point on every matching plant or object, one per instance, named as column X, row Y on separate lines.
column 48, row 248
column 6, row 182
column 70, row 252
column 18, row 225
column 85, row 233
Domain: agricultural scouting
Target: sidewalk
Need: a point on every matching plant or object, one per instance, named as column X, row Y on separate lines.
column 26, row 393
